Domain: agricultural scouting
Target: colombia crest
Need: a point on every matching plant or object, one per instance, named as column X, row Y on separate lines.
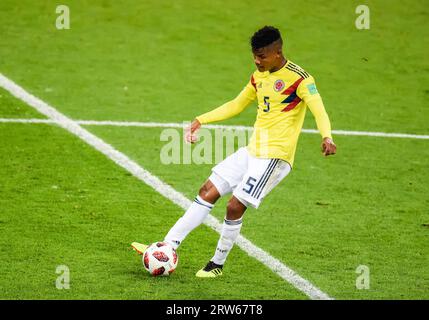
column 279, row 85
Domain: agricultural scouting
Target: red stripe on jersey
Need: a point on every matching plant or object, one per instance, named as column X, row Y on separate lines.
column 252, row 81
column 292, row 105
column 293, row 87
column 290, row 90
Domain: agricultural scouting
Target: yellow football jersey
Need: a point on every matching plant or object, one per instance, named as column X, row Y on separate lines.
column 282, row 98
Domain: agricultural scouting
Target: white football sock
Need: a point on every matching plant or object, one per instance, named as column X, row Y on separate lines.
column 230, row 231
column 192, row 218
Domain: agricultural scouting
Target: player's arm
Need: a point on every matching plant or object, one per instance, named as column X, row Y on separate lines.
column 307, row 91
column 225, row 111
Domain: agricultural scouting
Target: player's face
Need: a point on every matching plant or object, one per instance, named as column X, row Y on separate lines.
column 265, row 58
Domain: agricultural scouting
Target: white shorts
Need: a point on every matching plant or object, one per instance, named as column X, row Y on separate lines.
column 249, row 178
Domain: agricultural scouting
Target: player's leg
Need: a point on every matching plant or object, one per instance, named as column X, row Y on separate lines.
column 262, row 176
column 230, row 230
column 192, row 218
column 224, row 177
column 195, row 215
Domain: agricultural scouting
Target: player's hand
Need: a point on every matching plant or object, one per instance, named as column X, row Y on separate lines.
column 191, row 131
column 328, row 147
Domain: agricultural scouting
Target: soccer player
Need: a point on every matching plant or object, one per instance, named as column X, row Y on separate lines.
column 283, row 91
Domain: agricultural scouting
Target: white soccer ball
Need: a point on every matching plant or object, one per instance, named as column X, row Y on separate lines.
column 160, row 259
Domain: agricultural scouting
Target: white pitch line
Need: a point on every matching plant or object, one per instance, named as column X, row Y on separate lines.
column 216, row 126
column 164, row 189
column 11, row 120
column 245, row 128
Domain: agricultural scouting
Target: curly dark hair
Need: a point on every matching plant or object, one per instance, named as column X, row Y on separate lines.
column 265, row 36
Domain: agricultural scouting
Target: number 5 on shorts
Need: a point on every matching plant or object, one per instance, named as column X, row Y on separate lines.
column 250, row 182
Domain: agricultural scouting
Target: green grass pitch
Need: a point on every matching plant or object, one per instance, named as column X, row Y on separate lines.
column 64, row 203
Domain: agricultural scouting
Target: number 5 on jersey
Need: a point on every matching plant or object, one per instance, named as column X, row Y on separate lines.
column 266, row 104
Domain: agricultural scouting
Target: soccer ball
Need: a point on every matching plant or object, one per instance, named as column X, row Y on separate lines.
column 160, row 259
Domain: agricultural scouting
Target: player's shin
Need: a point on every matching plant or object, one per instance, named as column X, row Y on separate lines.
column 230, row 231
column 192, row 218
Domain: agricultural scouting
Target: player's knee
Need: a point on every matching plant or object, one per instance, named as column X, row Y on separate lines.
column 208, row 192
column 235, row 209
column 204, row 191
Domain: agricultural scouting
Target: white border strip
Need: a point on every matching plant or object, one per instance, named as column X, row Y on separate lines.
column 164, row 189
column 214, row 126
column 3, row 120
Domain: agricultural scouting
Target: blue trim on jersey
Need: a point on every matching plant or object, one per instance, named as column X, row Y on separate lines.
column 290, row 98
